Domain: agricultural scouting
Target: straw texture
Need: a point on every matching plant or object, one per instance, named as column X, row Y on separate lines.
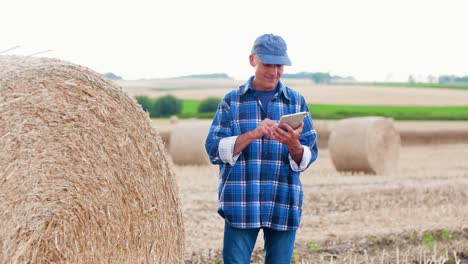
column 368, row 144
column 187, row 143
column 84, row 178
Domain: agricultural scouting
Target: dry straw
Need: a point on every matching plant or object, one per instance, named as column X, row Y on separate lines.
column 84, row 178
column 368, row 144
column 187, row 143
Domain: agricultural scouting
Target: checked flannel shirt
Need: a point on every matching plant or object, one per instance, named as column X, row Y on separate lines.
column 259, row 187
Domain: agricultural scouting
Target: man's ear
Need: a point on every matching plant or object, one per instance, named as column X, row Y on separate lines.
column 252, row 60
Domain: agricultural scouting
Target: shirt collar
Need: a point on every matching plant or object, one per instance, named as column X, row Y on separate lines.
column 249, row 86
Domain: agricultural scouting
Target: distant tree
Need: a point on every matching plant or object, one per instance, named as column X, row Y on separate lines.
column 321, row 77
column 145, row 102
column 411, row 79
column 317, row 77
column 446, row 78
column 166, row 106
column 112, row 76
column 453, row 79
column 209, row 105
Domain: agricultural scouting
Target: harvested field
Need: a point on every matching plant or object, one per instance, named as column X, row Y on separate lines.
column 314, row 93
column 352, row 216
column 433, row 133
column 414, row 133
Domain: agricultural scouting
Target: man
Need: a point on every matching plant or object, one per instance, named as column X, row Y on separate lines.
column 260, row 162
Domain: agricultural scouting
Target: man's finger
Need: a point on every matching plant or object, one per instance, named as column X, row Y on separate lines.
column 285, row 127
column 300, row 127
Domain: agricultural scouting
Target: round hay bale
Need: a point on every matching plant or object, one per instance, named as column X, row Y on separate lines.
column 368, row 144
column 187, row 143
column 165, row 134
column 174, row 119
column 323, row 133
column 84, row 177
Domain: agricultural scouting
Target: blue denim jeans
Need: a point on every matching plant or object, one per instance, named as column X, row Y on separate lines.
column 239, row 244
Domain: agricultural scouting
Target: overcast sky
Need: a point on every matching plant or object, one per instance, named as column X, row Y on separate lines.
column 367, row 39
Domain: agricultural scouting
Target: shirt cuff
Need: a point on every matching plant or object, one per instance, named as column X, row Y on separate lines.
column 306, row 156
column 226, row 150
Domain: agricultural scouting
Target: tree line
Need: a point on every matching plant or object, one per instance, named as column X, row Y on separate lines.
column 170, row 105
column 453, row 79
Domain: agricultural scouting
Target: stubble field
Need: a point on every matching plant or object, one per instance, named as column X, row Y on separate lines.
column 417, row 213
column 345, row 214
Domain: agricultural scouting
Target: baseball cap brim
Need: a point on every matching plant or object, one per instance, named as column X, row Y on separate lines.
column 272, row 59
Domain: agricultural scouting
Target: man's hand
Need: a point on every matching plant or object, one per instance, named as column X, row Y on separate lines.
column 266, row 128
column 290, row 137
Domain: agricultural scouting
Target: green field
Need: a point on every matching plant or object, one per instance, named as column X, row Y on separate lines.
column 321, row 111
column 395, row 112
column 461, row 86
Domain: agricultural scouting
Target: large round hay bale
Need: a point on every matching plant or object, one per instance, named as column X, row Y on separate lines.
column 187, row 143
column 368, row 144
column 84, row 178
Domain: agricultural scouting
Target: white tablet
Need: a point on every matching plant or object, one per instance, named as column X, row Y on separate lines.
column 294, row 120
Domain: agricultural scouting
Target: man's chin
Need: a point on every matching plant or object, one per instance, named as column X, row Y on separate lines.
column 272, row 85
column 268, row 84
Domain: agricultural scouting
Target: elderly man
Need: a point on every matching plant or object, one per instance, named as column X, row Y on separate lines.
column 260, row 162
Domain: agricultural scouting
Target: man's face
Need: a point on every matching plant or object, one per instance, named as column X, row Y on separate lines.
column 266, row 75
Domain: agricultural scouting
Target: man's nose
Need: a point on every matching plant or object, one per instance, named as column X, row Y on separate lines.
column 274, row 69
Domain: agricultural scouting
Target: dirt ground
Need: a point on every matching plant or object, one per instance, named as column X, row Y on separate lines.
column 428, row 191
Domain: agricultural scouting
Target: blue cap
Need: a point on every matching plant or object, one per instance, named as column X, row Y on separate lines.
column 271, row 49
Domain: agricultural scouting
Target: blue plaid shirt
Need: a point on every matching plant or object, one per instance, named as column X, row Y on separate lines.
column 259, row 188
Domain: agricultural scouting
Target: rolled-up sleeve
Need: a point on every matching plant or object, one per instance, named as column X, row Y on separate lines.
column 219, row 130
column 306, row 156
column 308, row 140
column 226, row 150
